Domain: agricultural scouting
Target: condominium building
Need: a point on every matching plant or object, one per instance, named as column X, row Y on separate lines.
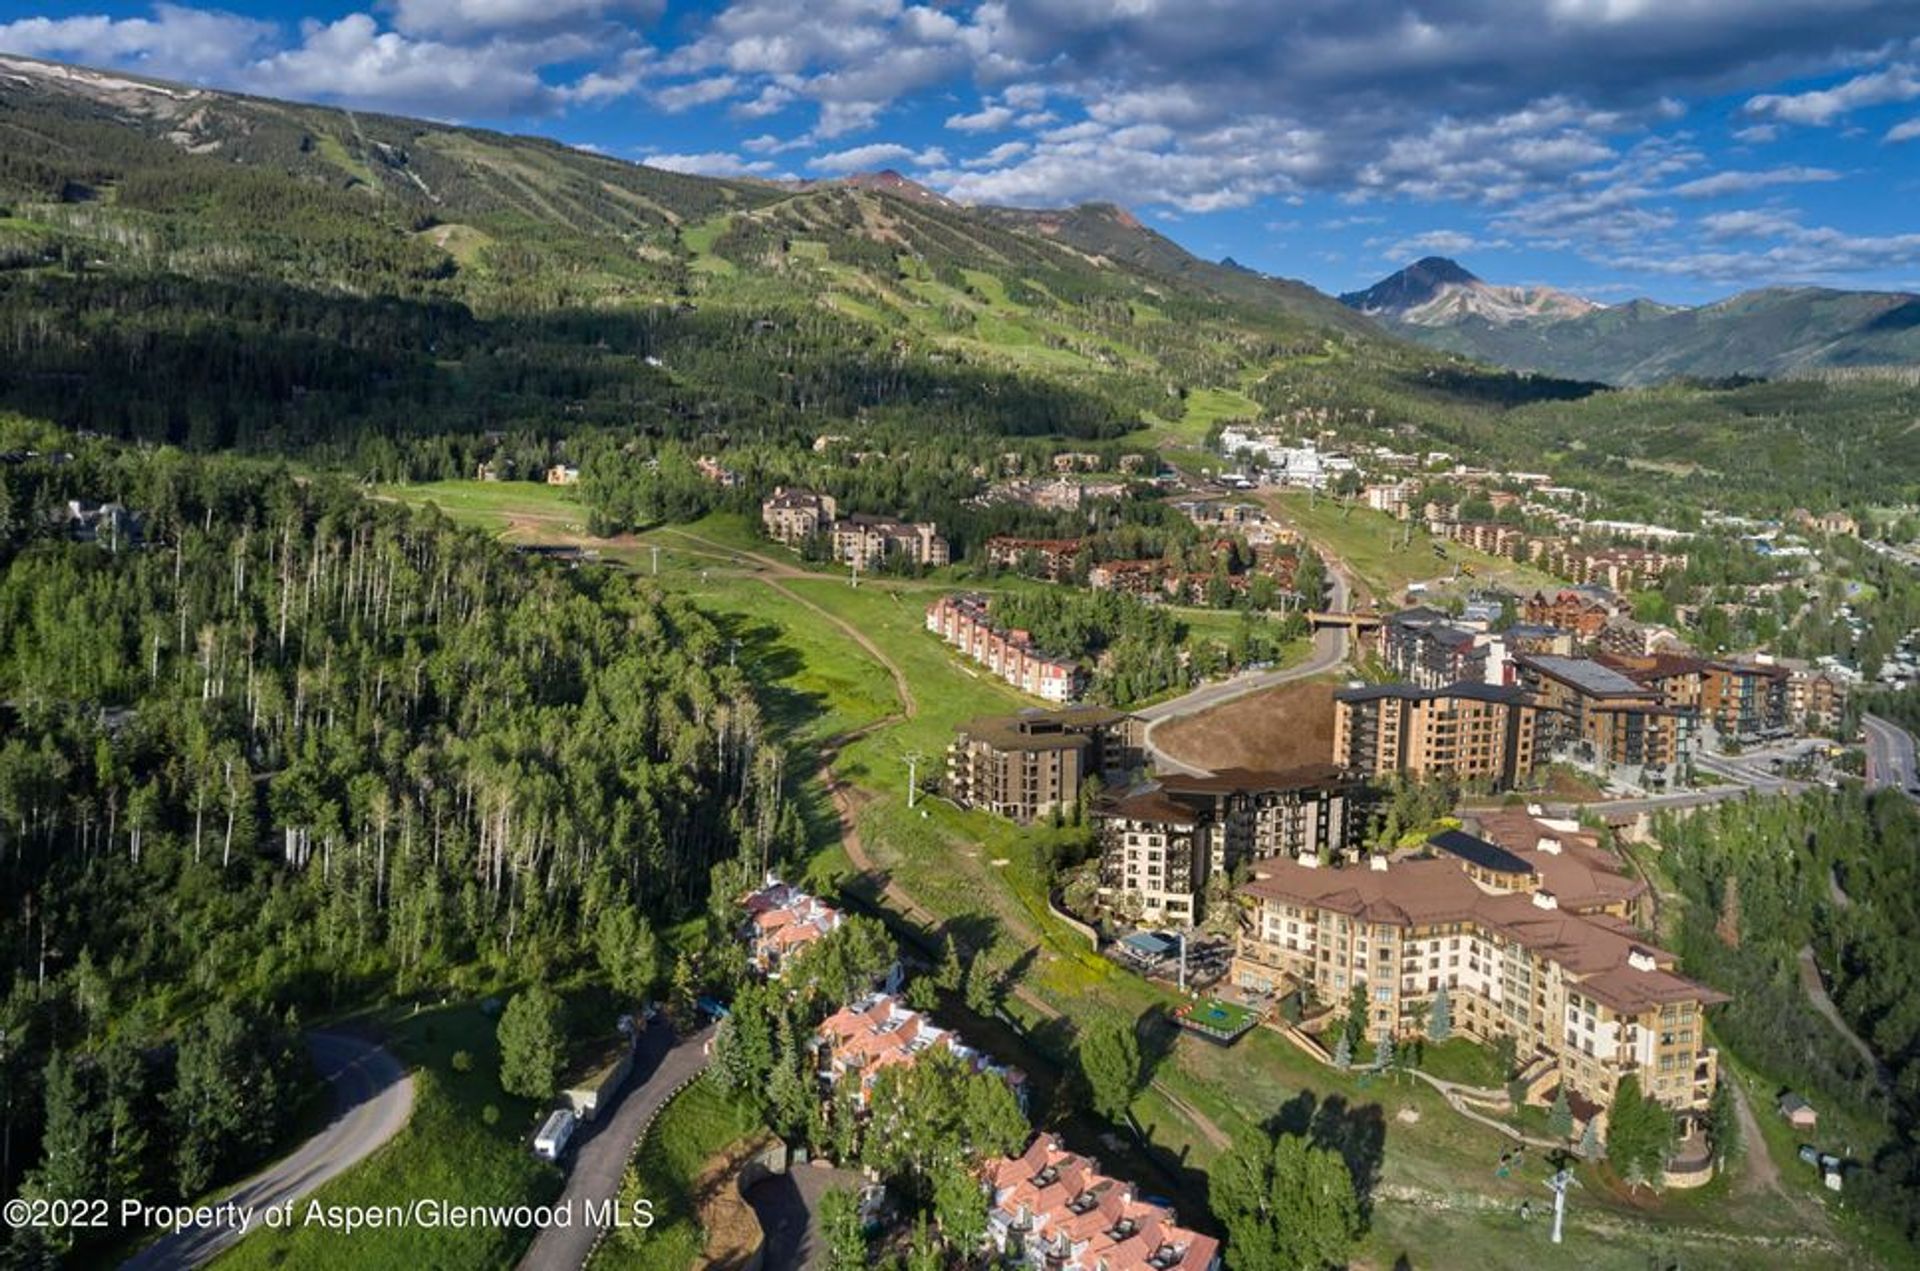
column 867, row 542
column 1817, row 699
column 1473, row 733
column 1581, row 610
column 1427, row 648
column 1161, row 846
column 794, row 516
column 1049, row 558
column 782, row 921
column 860, row 1041
column 1050, row 1209
column 1585, row 999
column 1029, row 765
column 1593, row 715
column 1746, row 700
column 966, row 622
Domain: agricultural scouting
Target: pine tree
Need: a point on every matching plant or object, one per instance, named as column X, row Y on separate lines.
column 682, row 996
column 846, row 1238
column 1589, row 1148
column 1109, row 1062
column 1560, row 1116
column 1723, row 1122
column 532, row 1043
column 1343, row 1051
column 1440, row 1016
column 951, row 972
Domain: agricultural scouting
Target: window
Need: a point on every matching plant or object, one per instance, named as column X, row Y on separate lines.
column 1383, row 995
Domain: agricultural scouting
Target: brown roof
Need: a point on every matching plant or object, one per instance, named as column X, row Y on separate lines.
column 1596, row 949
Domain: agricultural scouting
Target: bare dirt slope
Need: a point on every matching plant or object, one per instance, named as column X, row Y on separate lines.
column 1280, row 727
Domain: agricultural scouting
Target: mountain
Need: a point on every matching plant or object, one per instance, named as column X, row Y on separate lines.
column 1437, row 292
column 1771, row 332
column 887, row 181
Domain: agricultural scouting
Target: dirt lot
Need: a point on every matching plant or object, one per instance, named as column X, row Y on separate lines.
column 1281, row 727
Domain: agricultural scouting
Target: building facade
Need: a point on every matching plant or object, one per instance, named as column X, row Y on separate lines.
column 1473, row 733
column 1426, row 648
column 791, row 517
column 966, row 622
column 867, row 542
column 1030, row 765
column 1162, row 846
column 1596, row 717
column 1584, row 998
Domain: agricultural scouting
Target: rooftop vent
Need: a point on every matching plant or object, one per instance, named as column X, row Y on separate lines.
column 1641, row 960
column 1545, row 900
column 1550, row 846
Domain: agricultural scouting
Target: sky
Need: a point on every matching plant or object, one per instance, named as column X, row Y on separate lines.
column 1679, row 149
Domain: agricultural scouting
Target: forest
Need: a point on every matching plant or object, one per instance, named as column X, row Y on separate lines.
column 272, row 748
column 1835, row 875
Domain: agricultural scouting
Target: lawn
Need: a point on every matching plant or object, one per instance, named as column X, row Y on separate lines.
column 1460, row 1060
column 698, row 1124
column 451, row 1149
column 1387, row 554
column 495, row 505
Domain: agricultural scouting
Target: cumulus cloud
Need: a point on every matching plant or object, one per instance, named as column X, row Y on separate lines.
column 462, row 18
column 1897, row 83
column 354, row 60
column 711, row 163
column 986, row 119
column 1720, row 183
column 191, row 44
column 1435, row 242
column 1907, row 131
column 674, row 98
column 862, row 158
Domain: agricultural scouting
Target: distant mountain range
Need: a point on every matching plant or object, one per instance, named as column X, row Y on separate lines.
column 1769, row 332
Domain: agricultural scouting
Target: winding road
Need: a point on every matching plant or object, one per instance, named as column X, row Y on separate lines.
column 601, row 1150
column 372, row 1099
column 1890, row 758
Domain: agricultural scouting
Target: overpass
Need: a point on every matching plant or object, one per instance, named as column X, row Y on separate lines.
column 1354, row 624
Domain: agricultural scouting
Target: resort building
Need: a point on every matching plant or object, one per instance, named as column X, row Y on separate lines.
column 782, row 920
column 1584, row 997
column 1032, row 764
column 1426, row 648
column 1473, row 733
column 1050, row 1209
column 1161, row 846
column 966, row 622
column 792, row 517
column 860, row 1041
column 1592, row 715
column 867, row 542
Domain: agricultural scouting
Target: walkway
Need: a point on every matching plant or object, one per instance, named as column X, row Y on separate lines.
column 788, row 1206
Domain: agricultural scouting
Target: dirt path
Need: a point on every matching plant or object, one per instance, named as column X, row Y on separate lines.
column 1762, row 1173
column 1817, row 994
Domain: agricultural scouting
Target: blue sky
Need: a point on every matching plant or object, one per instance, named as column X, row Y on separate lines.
column 1683, row 149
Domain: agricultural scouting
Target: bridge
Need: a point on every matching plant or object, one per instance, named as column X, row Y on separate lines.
column 1354, row 624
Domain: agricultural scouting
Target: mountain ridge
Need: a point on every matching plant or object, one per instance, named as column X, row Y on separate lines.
column 1764, row 331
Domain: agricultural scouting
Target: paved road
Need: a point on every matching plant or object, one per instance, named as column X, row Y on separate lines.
column 600, row 1151
column 372, row 1099
column 788, row 1206
column 1890, row 757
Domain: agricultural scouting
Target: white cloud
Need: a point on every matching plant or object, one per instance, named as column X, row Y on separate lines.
column 1907, row 131
column 192, row 44
column 711, row 163
column 462, row 18
column 700, row 92
column 1002, row 153
column 1897, row 83
column 353, row 60
column 1758, row 134
column 1736, row 182
column 861, row 158
column 986, row 119
column 1436, row 242
column 1748, row 223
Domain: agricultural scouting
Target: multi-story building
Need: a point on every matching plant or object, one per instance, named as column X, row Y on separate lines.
column 782, row 920
column 1581, row 610
column 1568, row 861
column 1028, row 765
column 1426, row 648
column 1049, row 1209
column 1161, row 846
column 1680, row 680
column 859, row 1042
column 1593, row 715
column 965, row 621
column 1141, row 578
column 711, row 469
column 1619, row 569
column 794, row 516
column 1491, row 537
column 1817, row 699
column 1473, row 733
column 1746, row 700
column 1585, row 999
column 865, row 542
column 1049, row 558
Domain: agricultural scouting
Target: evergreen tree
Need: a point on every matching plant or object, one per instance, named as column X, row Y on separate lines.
column 1343, row 1051
column 683, row 996
column 1440, row 1016
column 532, row 1043
column 1639, row 1132
column 624, row 945
column 1286, row 1204
column 73, row 1161
column 1589, row 1148
column 951, row 972
column 1560, row 1116
column 960, row 1207
column 1723, row 1122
